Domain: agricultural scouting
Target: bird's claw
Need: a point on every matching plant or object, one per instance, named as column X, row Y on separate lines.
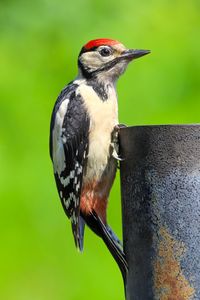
column 115, row 141
column 116, row 156
column 119, row 126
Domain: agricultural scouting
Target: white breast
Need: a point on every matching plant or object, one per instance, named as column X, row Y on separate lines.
column 103, row 117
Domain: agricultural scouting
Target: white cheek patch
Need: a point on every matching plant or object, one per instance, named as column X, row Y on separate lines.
column 94, row 60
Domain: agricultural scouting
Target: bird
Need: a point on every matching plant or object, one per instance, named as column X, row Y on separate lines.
column 84, row 140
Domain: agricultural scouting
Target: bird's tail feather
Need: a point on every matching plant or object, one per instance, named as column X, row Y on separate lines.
column 115, row 249
column 114, row 237
column 78, row 233
column 113, row 245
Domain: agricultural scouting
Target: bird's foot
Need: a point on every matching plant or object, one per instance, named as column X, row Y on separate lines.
column 115, row 142
column 119, row 126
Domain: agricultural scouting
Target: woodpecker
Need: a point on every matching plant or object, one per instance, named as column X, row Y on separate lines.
column 83, row 134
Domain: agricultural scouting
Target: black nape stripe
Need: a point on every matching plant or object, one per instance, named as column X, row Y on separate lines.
column 100, row 88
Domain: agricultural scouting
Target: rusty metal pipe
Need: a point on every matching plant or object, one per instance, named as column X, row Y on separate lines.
column 160, row 186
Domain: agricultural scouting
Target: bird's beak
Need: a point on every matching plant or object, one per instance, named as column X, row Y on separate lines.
column 131, row 54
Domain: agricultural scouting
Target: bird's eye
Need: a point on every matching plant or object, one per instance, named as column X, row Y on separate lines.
column 105, row 51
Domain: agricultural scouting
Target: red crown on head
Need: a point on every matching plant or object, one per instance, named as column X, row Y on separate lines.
column 100, row 42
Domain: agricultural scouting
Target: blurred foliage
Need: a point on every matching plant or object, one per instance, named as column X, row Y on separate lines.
column 39, row 44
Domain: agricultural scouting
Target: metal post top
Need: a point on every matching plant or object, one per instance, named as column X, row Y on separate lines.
column 163, row 144
column 172, row 129
column 162, row 126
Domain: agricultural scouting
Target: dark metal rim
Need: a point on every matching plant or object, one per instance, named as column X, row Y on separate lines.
column 163, row 125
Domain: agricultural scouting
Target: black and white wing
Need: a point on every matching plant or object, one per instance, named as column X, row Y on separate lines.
column 68, row 150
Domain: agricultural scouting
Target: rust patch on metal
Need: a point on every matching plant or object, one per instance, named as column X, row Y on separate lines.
column 169, row 280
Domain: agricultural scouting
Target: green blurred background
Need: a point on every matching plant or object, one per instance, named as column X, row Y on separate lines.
column 39, row 44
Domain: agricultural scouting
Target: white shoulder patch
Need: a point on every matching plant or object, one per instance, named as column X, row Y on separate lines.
column 58, row 150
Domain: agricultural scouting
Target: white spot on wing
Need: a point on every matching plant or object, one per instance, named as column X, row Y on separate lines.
column 77, row 186
column 73, row 218
column 79, row 170
column 67, row 202
column 58, row 150
column 71, row 199
column 66, row 181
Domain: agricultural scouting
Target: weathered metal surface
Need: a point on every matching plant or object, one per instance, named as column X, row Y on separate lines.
column 160, row 183
column 169, row 280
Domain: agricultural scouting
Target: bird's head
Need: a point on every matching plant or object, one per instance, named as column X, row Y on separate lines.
column 106, row 59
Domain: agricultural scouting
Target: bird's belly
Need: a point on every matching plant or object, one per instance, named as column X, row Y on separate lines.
column 99, row 156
